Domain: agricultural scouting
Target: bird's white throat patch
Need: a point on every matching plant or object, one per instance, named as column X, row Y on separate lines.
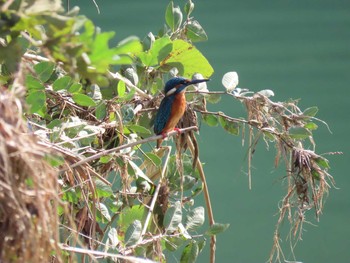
column 172, row 91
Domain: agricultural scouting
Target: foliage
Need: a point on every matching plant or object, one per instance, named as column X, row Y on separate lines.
column 92, row 104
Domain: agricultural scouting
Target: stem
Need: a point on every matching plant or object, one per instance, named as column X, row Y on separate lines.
column 207, row 200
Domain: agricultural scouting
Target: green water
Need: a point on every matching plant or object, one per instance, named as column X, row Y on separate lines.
column 299, row 49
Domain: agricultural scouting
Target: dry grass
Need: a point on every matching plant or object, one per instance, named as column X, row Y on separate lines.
column 28, row 201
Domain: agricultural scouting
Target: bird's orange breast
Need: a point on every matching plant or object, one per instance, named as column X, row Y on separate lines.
column 177, row 111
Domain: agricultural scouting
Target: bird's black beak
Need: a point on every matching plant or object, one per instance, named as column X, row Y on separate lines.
column 196, row 81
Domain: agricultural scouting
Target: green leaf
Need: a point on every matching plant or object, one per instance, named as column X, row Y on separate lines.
column 195, row 218
column 213, row 98
column 195, row 32
column 33, row 83
column 266, row 92
column 129, row 45
column 173, row 217
column 143, row 186
column 158, row 52
column 121, row 88
column 133, row 233
column 62, row 83
column 216, row 229
column 131, row 74
column 201, row 245
column 113, row 238
column 101, row 111
column 139, row 172
column 44, row 70
column 75, row 88
column 169, row 16
column 187, row 182
column 311, row 126
column 54, row 160
column 129, row 95
column 229, row 126
column 54, row 123
column 37, row 102
column 102, row 189
column 127, row 113
column 311, row 112
column 172, row 243
column 173, row 16
column 269, row 136
column 102, row 213
column 154, row 158
column 187, row 59
column 210, row 119
column 95, row 92
column 138, row 129
column 101, row 56
column 70, row 195
column 315, row 174
column 322, row 162
column 177, row 18
column 190, row 253
column 83, row 100
column 129, row 215
column 189, row 6
column 299, row 133
column 105, row 158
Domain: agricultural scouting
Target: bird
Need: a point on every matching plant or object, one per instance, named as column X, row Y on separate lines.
column 173, row 105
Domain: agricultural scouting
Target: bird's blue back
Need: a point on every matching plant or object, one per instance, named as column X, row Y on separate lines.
column 163, row 114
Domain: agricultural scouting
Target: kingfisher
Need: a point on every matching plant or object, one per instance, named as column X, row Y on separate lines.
column 173, row 105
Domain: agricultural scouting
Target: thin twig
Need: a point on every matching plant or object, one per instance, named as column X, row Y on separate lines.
column 104, row 254
column 96, row 5
column 6, row 5
column 206, row 92
column 128, row 83
column 35, row 57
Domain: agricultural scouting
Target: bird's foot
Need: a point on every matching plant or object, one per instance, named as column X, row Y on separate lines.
column 177, row 130
column 164, row 134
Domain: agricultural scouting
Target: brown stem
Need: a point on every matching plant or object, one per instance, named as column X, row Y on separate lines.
column 207, row 200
